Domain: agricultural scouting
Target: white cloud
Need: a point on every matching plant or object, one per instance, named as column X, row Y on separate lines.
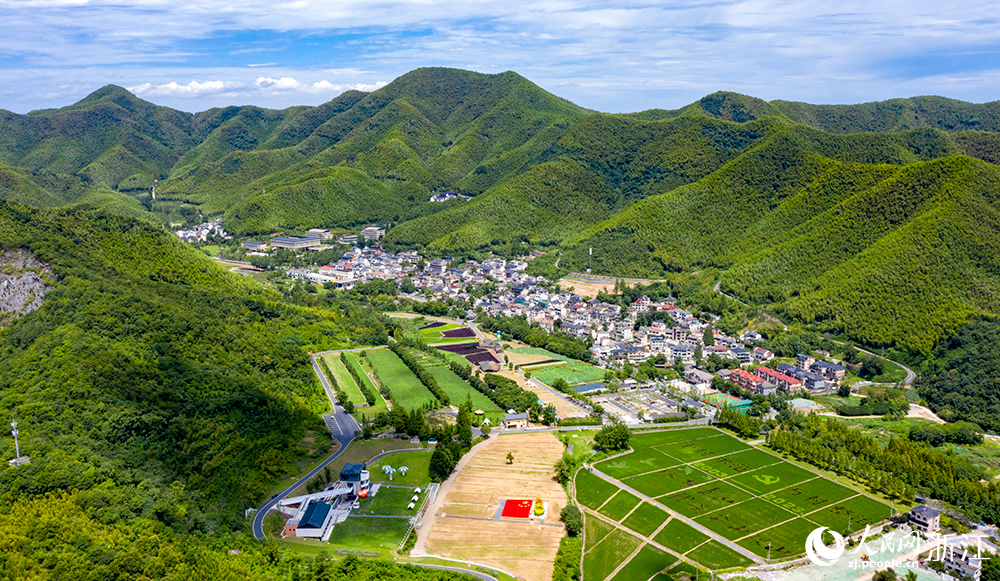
column 193, row 88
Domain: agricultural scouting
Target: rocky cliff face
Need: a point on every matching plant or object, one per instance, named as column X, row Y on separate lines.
column 24, row 282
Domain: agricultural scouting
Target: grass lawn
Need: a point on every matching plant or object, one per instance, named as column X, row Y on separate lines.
column 406, row 390
column 659, row 483
column 646, row 563
column 744, row 519
column 705, row 498
column 371, row 534
column 392, row 500
column 680, row 536
column 810, row 495
column 591, row 490
column 650, row 439
column 772, row 478
column 357, row 451
column 619, row 506
column 343, row 378
column 646, row 519
column 787, row 540
column 682, row 571
column 716, row 556
column 417, row 475
column 608, row 554
column 459, row 390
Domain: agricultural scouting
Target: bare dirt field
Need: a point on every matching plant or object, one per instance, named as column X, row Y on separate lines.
column 523, row 547
column 564, row 409
column 589, row 287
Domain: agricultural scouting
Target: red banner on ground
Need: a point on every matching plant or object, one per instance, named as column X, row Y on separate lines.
column 516, row 509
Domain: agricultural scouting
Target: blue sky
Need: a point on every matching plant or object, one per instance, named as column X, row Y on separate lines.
column 609, row 55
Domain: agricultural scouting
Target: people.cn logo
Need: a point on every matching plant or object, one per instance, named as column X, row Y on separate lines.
column 819, row 553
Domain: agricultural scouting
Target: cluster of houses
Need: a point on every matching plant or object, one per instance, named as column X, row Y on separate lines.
column 445, row 196
column 440, row 279
column 202, row 232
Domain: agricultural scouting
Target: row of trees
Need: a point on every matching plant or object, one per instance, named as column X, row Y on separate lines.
column 342, row 398
column 422, row 374
column 519, row 328
column 899, row 468
column 356, row 372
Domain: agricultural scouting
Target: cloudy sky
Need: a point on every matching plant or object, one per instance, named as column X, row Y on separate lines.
column 610, row 55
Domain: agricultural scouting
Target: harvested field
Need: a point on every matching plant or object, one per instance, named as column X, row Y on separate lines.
column 461, row 349
column 527, row 550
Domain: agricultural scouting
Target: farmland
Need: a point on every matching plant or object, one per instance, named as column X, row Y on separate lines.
column 406, row 390
column 380, row 404
column 713, row 501
column 343, row 378
column 465, row 527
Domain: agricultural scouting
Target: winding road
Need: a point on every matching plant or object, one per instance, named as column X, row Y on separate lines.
column 342, row 427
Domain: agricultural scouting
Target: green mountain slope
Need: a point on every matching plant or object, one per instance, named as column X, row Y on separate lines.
column 888, row 253
column 123, row 389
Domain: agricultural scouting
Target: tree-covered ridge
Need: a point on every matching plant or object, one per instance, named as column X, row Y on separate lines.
column 151, row 380
column 888, row 116
column 888, row 253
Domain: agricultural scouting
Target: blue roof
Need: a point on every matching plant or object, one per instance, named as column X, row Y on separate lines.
column 352, row 471
column 589, row 387
column 315, row 515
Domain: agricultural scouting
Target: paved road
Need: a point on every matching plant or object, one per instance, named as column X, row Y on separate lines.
column 342, row 427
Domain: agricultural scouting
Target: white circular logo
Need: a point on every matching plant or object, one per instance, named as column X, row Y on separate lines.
column 819, row 553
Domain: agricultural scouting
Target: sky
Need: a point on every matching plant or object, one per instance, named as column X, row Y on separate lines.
column 608, row 55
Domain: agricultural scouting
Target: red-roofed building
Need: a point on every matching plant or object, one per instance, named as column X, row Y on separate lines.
column 786, row 382
column 746, row 379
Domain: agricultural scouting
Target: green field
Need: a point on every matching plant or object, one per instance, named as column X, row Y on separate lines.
column 573, row 373
column 788, row 540
column 592, row 490
column 595, row 530
column 744, row 494
column 539, row 351
column 715, row 555
column 680, row 536
column 380, row 403
column 705, row 498
column 661, row 483
column 646, row 519
column 392, row 500
column 619, row 505
column 646, row 563
column 343, row 378
column 406, row 390
column 600, row 560
column 738, row 521
column 417, row 475
column 370, row 534
column 459, row 390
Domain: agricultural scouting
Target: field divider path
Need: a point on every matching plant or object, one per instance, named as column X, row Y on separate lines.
column 688, row 521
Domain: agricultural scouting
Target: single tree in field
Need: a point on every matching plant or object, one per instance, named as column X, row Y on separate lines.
column 510, row 457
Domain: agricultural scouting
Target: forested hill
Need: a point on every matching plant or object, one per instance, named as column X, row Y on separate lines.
column 881, row 117
column 156, row 393
column 826, row 213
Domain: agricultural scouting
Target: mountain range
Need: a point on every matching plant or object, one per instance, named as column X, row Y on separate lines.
column 879, row 220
